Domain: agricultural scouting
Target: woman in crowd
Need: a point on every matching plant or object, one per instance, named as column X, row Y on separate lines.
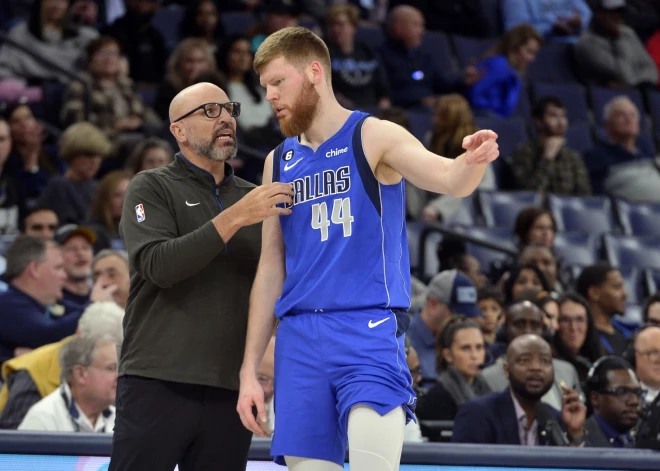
column 522, row 278
column 651, row 310
column 535, row 225
column 491, row 302
column 201, row 20
column 106, row 210
column 149, row 154
column 550, row 307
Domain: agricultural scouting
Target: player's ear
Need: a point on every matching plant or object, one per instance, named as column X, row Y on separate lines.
column 315, row 72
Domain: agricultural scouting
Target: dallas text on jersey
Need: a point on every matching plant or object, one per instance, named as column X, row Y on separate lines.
column 327, row 183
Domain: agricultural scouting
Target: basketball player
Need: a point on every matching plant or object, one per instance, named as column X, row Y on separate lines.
column 336, row 271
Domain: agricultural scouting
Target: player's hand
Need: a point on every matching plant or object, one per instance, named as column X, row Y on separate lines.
column 573, row 412
column 261, row 203
column 481, row 147
column 251, row 395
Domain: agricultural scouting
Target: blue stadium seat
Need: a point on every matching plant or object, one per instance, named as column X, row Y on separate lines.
column 578, row 137
column 577, row 248
column 236, row 22
column 470, row 50
column 629, row 251
column 487, row 257
column 590, row 214
column 437, row 44
column 491, row 10
column 600, row 96
column 500, row 209
column 372, row 36
column 420, row 124
column 466, row 215
column 524, row 107
column 553, row 64
column 572, row 95
column 639, row 219
column 511, row 132
column 167, row 20
column 633, row 279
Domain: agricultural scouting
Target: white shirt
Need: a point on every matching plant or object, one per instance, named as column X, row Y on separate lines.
column 650, row 394
column 253, row 114
column 57, row 412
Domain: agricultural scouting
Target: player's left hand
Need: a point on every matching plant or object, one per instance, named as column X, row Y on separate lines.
column 481, row 147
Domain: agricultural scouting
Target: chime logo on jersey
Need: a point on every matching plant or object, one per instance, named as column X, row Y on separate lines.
column 139, row 211
column 327, row 183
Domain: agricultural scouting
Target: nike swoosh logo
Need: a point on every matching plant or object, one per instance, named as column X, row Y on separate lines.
column 191, row 204
column 373, row 324
column 290, row 166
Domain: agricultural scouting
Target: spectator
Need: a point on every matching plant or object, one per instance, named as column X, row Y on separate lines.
column 201, row 20
column 29, row 316
column 107, row 207
column 646, row 348
column 142, row 43
column 576, row 340
column 48, row 34
column 32, row 161
column 115, row 106
column 34, row 375
column 149, row 154
column 535, row 225
column 358, row 76
column 110, row 273
column 277, row 15
column 40, row 222
column 460, row 354
column 616, row 398
column 522, row 278
column 604, row 288
column 465, row 263
column 622, row 165
column 449, row 293
column 543, row 257
column 84, row 401
column 545, row 164
column 610, row 53
column 415, row 78
column 555, row 20
column 235, row 61
column 490, row 301
column 12, row 201
column 83, row 146
column 514, row 416
column 550, row 307
column 498, row 89
column 651, row 310
column 76, row 243
column 461, row 17
column 190, row 58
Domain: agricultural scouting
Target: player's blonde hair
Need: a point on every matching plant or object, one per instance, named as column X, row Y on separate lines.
column 296, row 45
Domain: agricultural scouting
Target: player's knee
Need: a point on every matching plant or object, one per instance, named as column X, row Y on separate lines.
column 375, row 441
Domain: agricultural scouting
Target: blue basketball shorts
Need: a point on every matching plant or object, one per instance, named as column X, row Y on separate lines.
column 326, row 363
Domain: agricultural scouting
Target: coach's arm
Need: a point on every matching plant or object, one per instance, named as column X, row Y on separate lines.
column 389, row 147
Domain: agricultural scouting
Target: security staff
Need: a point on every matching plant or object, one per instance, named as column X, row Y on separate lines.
column 192, row 230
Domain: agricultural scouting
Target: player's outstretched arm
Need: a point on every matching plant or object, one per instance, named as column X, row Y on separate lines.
column 389, row 144
column 266, row 288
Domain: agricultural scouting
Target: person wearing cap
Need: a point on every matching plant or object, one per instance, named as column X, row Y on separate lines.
column 449, row 293
column 610, row 53
column 76, row 243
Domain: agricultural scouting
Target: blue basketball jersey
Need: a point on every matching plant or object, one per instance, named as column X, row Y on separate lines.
column 346, row 242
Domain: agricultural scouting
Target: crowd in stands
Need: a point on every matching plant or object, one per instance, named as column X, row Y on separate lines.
column 536, row 297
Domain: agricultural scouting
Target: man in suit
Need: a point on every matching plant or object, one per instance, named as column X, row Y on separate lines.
column 517, row 416
column 522, row 318
column 616, row 397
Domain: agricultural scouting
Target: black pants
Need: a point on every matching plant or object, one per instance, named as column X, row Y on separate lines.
column 161, row 424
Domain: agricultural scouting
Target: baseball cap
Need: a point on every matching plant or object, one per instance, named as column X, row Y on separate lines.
column 457, row 291
column 67, row 231
column 611, row 4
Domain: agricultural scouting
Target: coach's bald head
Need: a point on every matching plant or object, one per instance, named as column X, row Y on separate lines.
column 196, row 95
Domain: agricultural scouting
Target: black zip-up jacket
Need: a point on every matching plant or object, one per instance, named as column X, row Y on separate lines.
column 186, row 317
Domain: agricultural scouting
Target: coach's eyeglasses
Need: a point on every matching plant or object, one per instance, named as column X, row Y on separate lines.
column 213, row 110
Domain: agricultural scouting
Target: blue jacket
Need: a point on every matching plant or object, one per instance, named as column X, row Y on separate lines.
column 499, row 88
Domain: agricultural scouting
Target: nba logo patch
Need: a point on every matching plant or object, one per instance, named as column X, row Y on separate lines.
column 139, row 211
column 288, row 156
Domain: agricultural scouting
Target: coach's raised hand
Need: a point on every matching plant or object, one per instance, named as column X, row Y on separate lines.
column 481, row 147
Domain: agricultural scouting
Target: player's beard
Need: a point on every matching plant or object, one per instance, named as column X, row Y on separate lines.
column 213, row 150
column 302, row 113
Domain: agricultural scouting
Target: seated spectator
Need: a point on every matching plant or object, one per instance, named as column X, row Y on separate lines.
column 535, row 225
column 616, row 398
column 651, row 310
column 545, row 164
column 576, row 340
column 115, row 106
column 621, row 165
column 107, row 207
column 32, row 160
column 358, row 77
column 141, row 42
column 497, row 91
column 190, row 58
column 84, row 402
column 463, row 262
column 202, row 21
column 12, row 201
column 543, row 257
column 549, row 305
column 610, row 54
column 149, row 154
column 235, row 61
column 646, row 360
column 516, row 415
column 29, row 315
column 556, row 21
column 462, row 17
column 40, row 222
column 522, row 278
column 449, row 293
column 47, row 34
column 490, row 301
column 110, row 274
column 83, row 146
column 460, row 353
column 604, row 288
column 414, row 76
column 34, row 375
column 277, row 15
column 76, row 243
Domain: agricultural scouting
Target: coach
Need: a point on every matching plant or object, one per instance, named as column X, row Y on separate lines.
column 193, row 234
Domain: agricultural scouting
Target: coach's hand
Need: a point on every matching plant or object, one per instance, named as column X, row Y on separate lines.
column 261, row 203
column 481, row 147
column 251, row 395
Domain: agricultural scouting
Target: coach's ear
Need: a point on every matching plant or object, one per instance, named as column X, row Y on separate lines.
column 179, row 132
column 315, row 72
